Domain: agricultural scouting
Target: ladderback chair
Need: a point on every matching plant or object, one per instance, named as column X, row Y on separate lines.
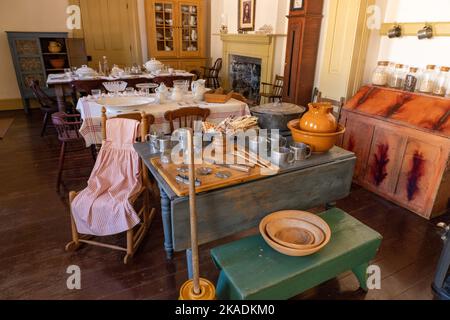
column 186, row 117
column 68, row 129
column 142, row 212
column 272, row 91
column 48, row 105
column 211, row 75
column 337, row 104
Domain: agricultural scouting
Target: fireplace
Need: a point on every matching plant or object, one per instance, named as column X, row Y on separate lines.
column 248, row 61
column 245, row 75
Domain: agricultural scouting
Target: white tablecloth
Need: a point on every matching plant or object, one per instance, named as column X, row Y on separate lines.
column 91, row 115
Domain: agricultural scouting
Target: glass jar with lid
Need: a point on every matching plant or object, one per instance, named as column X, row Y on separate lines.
column 380, row 75
column 411, row 79
column 398, row 77
column 442, row 81
column 428, row 79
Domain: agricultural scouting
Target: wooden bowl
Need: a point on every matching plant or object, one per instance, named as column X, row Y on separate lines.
column 299, row 215
column 319, row 142
column 295, row 234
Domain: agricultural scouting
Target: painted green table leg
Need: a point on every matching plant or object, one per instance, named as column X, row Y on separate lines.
column 361, row 274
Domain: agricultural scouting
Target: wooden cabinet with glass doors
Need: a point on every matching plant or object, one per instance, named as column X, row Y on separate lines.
column 176, row 32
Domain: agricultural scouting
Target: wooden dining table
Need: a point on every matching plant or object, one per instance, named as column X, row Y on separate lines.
column 64, row 85
column 320, row 180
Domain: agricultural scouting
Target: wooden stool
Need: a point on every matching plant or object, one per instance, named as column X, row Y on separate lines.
column 251, row 270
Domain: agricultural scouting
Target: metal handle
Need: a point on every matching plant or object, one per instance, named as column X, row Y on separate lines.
column 446, row 229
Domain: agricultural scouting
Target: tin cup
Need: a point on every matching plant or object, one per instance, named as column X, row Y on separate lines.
column 301, row 151
column 282, row 157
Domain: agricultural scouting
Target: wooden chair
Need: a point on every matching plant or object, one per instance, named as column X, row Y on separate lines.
column 186, row 117
column 68, row 129
column 197, row 74
column 317, row 97
column 145, row 212
column 272, row 91
column 48, row 104
column 211, row 75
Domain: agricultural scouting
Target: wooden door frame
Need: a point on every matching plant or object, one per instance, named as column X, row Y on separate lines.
column 135, row 37
column 359, row 46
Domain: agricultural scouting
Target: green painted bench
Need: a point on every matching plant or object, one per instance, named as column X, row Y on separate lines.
column 251, row 270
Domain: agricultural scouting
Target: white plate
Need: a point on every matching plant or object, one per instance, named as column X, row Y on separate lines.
column 115, row 104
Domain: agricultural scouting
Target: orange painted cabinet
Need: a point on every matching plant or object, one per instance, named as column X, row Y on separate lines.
column 403, row 152
column 384, row 161
column 419, row 174
column 357, row 139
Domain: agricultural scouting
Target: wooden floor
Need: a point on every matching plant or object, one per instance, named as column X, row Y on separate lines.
column 35, row 227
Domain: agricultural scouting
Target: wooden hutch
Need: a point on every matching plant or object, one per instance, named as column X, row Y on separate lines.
column 402, row 143
column 176, row 32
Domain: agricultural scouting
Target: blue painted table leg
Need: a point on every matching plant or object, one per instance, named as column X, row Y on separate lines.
column 189, row 263
column 167, row 224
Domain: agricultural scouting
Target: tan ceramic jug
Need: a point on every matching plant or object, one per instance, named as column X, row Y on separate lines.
column 319, row 118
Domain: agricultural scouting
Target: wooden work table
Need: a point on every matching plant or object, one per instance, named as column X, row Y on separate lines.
column 322, row 179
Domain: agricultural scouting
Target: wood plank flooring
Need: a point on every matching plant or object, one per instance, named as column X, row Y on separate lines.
column 35, row 228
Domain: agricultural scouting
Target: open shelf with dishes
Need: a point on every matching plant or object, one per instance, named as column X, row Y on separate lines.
column 35, row 56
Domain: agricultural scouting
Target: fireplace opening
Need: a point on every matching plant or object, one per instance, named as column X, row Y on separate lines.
column 245, row 76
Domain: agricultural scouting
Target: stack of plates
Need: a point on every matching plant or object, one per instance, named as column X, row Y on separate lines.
column 295, row 233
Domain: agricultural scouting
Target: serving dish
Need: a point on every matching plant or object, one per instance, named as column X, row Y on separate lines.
column 115, row 104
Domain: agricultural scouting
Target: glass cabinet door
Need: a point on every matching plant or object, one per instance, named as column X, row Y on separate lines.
column 165, row 28
column 189, row 16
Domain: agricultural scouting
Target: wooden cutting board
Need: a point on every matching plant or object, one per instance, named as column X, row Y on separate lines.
column 211, row 182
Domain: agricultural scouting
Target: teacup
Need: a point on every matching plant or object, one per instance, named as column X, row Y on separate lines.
column 301, row 151
column 282, row 157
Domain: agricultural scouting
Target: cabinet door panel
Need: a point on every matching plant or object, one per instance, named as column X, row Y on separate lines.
column 190, row 26
column 162, row 28
column 418, row 175
column 385, row 160
column 357, row 139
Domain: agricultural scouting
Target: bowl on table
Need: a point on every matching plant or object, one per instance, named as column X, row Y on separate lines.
column 319, row 142
column 289, row 245
column 295, row 233
column 115, row 86
column 124, row 104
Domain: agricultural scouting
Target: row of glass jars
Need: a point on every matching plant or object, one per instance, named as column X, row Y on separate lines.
column 432, row 80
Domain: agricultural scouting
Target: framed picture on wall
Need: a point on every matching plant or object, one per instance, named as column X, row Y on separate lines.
column 246, row 15
column 297, row 5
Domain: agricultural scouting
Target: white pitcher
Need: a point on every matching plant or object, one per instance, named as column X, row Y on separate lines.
column 199, row 89
column 161, row 93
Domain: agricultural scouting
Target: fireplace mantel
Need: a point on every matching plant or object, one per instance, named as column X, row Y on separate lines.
column 259, row 46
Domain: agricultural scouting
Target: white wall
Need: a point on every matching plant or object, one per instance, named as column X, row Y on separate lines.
column 410, row 50
column 271, row 12
column 25, row 15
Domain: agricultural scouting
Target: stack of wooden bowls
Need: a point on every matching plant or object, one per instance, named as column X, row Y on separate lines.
column 295, row 233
